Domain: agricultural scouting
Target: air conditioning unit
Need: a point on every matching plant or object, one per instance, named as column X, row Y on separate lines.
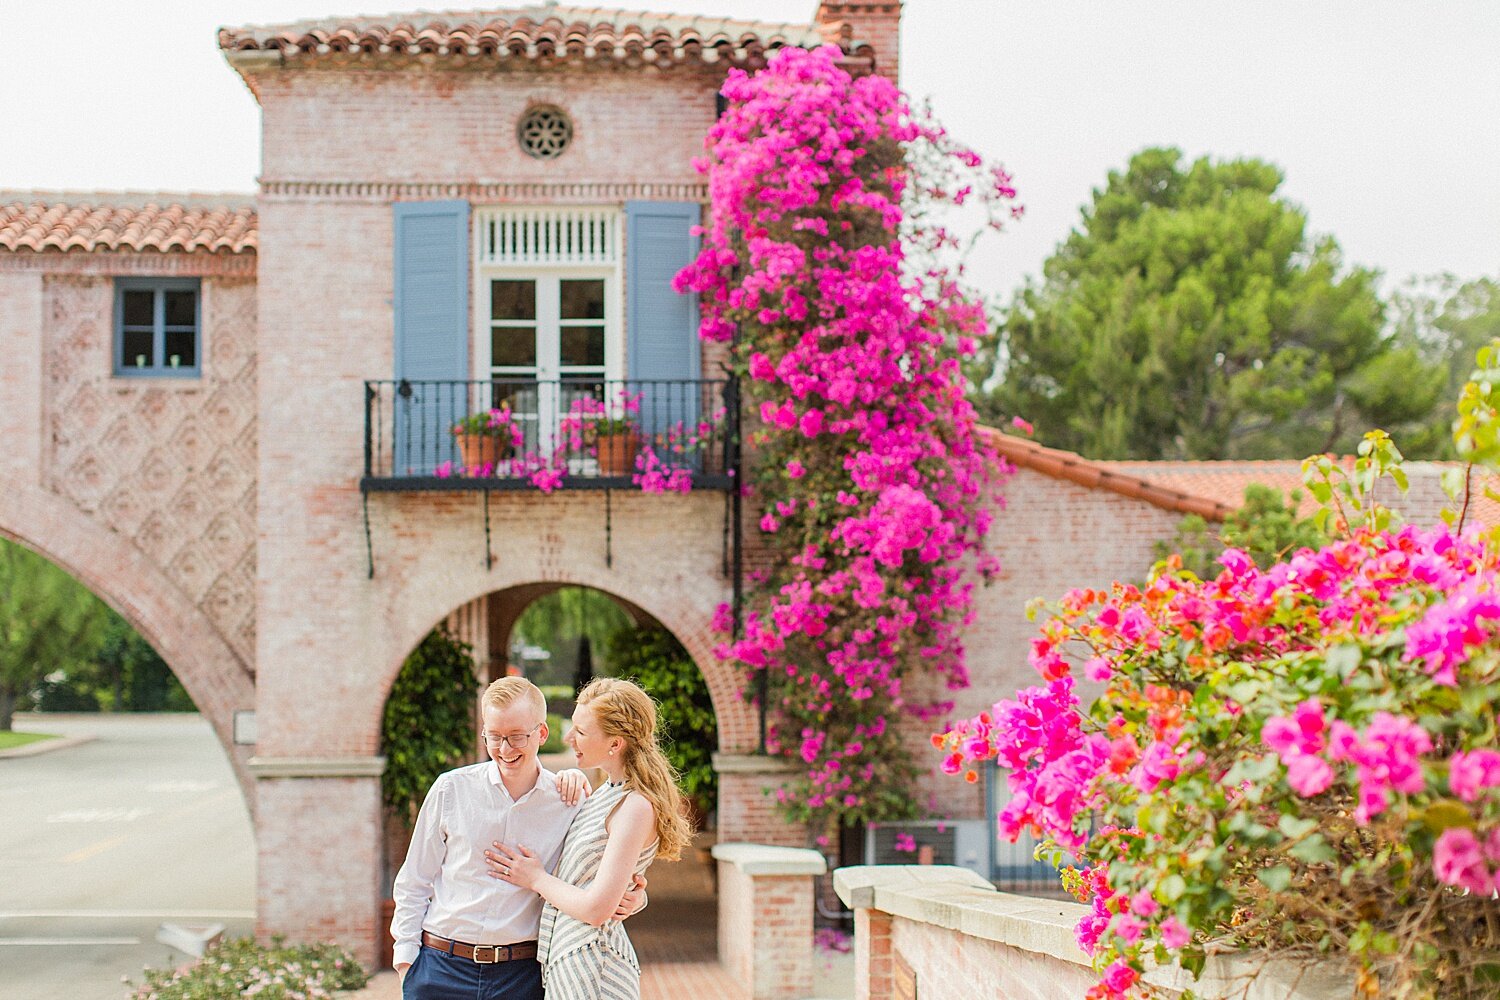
column 962, row 842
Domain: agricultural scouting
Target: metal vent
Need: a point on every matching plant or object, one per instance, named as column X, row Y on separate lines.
column 548, row 235
column 545, row 132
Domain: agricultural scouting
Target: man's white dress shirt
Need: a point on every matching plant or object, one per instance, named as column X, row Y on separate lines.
column 444, row 886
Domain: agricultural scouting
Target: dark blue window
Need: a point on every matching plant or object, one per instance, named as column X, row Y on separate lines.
column 158, row 326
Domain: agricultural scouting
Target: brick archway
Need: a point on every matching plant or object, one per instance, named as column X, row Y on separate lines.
column 124, row 578
column 683, row 614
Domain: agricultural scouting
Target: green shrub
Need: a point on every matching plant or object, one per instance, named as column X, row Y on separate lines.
column 686, row 725
column 428, row 726
column 557, row 692
column 1266, row 526
column 240, row 967
column 554, row 742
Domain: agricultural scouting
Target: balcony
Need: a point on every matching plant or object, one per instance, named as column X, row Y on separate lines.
column 540, row 434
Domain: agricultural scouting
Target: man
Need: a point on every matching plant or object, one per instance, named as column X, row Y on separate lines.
column 458, row 932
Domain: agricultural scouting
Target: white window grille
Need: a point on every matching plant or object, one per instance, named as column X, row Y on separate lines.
column 548, row 236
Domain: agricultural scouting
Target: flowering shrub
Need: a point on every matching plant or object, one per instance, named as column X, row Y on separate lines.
column 241, row 968
column 1301, row 757
column 875, row 493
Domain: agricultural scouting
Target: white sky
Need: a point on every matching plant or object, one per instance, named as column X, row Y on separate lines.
column 1384, row 115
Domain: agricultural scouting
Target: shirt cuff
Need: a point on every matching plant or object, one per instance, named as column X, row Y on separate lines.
column 405, row 951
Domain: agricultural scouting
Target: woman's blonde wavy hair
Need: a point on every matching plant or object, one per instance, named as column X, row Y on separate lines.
column 623, row 710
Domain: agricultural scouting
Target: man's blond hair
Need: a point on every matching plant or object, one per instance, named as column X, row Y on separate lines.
column 506, row 690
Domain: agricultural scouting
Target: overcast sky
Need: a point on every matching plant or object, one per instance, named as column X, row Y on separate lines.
column 1385, row 116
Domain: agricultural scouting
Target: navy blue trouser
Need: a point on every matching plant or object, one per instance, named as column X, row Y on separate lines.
column 437, row 975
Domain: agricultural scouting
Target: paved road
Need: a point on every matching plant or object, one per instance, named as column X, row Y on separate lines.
column 102, row 843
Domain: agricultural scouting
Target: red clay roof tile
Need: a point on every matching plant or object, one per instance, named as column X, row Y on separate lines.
column 185, row 223
column 1213, row 490
column 532, row 32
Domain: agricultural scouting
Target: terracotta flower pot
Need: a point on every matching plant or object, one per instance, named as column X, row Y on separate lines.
column 476, row 450
column 617, row 453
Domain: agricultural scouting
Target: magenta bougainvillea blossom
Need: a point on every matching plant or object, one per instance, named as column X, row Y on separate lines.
column 1296, row 756
column 819, row 269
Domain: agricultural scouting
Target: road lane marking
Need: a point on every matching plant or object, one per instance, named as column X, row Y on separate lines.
column 98, row 815
column 84, row 853
column 182, row 786
column 43, row 942
column 131, row 914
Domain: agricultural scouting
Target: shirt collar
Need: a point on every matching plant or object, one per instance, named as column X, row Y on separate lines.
column 545, row 781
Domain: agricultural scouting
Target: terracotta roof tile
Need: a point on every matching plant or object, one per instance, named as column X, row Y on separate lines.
column 1213, row 490
column 1225, row 482
column 88, row 221
column 529, row 32
column 1027, row 454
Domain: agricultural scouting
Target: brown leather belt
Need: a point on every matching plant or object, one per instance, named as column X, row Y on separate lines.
column 481, row 954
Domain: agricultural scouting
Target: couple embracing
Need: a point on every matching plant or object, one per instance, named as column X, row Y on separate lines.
column 512, row 884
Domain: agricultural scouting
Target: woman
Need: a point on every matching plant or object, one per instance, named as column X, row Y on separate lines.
column 634, row 817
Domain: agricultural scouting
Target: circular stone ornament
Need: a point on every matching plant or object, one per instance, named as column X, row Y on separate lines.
column 545, row 132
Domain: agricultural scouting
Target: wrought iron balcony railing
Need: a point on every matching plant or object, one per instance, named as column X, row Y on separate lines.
column 567, row 433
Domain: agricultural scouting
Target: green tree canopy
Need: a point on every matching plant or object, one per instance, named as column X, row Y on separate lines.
column 48, row 622
column 1191, row 316
column 1446, row 321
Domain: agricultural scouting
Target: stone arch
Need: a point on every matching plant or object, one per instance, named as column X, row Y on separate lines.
column 105, row 562
column 686, row 616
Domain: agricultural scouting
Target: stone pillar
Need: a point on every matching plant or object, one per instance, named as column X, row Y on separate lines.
column 747, row 800
column 766, row 917
column 872, row 956
column 318, row 845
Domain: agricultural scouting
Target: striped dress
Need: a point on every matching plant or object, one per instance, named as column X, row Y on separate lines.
column 580, row 962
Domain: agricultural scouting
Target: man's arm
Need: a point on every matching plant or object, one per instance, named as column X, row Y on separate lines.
column 413, row 888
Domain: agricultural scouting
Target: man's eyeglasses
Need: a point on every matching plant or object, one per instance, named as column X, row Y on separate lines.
column 514, row 740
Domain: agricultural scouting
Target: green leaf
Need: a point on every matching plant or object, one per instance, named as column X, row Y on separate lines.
column 1295, row 827
column 1276, row 879
column 1445, row 814
column 1171, row 888
column 1314, row 850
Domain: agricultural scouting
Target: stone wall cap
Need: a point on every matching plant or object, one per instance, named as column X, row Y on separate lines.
column 751, row 763
column 856, row 884
column 316, row 767
column 962, row 901
column 763, row 859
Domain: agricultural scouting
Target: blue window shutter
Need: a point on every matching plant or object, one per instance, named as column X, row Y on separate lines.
column 661, row 331
column 432, row 336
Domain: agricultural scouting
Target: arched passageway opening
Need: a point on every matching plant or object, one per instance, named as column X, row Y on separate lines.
column 126, row 813
column 560, row 636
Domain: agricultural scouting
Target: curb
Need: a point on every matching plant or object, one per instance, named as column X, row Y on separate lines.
column 46, row 746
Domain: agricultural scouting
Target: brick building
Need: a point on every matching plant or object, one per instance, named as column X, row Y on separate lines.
column 228, row 415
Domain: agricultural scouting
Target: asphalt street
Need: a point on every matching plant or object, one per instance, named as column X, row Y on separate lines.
column 100, row 844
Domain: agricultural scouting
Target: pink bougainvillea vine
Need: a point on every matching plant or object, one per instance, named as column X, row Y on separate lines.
column 820, row 269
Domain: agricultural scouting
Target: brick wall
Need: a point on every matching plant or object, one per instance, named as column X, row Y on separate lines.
column 1053, row 535
column 876, row 23
column 143, row 489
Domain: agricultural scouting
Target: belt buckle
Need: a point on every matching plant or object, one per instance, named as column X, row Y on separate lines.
column 494, row 950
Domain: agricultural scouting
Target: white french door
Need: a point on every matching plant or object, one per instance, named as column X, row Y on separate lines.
column 547, row 340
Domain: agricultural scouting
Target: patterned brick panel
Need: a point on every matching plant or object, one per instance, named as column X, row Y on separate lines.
column 168, row 464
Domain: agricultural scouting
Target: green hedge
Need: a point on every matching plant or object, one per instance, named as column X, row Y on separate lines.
column 654, row 659
column 428, row 726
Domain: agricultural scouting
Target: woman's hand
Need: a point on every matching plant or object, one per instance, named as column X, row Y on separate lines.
column 517, row 865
